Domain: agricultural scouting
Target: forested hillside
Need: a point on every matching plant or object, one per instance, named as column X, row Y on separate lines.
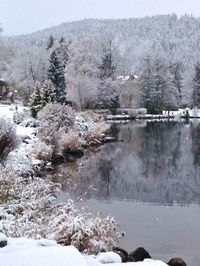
column 173, row 42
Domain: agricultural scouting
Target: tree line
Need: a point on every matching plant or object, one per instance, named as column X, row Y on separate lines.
column 85, row 67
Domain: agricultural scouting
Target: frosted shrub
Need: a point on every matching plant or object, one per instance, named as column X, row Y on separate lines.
column 90, row 115
column 8, row 138
column 43, row 151
column 71, row 140
column 87, row 233
column 54, row 120
column 19, row 117
column 30, row 210
column 96, row 132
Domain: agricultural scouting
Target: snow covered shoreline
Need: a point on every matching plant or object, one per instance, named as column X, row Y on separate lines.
column 22, row 251
column 28, row 207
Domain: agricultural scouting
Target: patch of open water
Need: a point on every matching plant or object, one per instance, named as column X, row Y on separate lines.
column 150, row 183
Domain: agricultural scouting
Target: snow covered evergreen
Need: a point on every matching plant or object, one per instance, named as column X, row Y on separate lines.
column 196, row 86
column 56, row 75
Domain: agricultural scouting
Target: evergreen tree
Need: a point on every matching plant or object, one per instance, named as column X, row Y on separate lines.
column 36, row 100
column 62, row 52
column 61, row 40
column 146, row 84
column 158, row 91
column 196, row 86
column 175, row 70
column 107, row 68
column 50, row 42
column 56, row 75
column 42, row 95
column 47, row 93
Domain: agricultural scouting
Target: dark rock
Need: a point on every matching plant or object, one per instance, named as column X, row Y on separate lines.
column 71, row 158
column 177, row 262
column 26, row 139
column 3, row 243
column 75, row 153
column 122, row 253
column 138, row 255
column 59, row 158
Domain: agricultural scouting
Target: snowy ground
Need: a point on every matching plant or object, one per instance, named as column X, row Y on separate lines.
column 8, row 111
column 21, row 159
column 23, row 252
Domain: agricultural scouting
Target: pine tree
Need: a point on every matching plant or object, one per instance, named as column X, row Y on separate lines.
column 196, row 86
column 62, row 52
column 42, row 95
column 56, row 75
column 47, row 93
column 36, row 100
column 158, row 90
column 146, row 84
column 175, row 70
column 61, row 40
column 107, row 68
column 50, row 42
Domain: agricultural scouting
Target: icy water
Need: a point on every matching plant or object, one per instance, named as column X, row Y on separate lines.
column 149, row 180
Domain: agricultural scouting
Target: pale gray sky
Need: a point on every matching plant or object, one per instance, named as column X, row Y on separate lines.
column 25, row 16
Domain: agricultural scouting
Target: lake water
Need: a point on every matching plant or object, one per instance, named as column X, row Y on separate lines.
column 149, row 180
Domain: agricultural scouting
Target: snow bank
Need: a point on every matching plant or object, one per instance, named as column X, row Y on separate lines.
column 25, row 131
column 108, row 257
column 8, row 111
column 23, row 252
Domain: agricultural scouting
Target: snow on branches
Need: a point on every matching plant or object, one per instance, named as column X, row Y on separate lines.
column 8, row 137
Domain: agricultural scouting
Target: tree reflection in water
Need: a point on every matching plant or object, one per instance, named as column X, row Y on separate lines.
column 158, row 163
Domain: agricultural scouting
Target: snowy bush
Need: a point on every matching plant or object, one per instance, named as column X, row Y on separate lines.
column 91, row 126
column 92, row 116
column 8, row 137
column 70, row 141
column 28, row 209
column 95, row 132
column 30, row 122
column 54, row 121
column 19, row 117
column 43, row 151
column 52, row 118
column 88, row 234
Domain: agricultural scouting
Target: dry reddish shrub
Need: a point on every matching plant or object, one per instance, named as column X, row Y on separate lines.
column 71, row 140
column 43, row 151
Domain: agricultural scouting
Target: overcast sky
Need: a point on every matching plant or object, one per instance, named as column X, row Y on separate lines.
column 25, row 16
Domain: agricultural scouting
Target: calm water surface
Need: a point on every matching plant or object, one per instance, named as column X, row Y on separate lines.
column 149, row 181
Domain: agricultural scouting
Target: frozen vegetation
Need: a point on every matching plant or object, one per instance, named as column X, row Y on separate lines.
column 28, row 207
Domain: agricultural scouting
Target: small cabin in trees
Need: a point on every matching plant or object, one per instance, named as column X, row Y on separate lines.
column 6, row 94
